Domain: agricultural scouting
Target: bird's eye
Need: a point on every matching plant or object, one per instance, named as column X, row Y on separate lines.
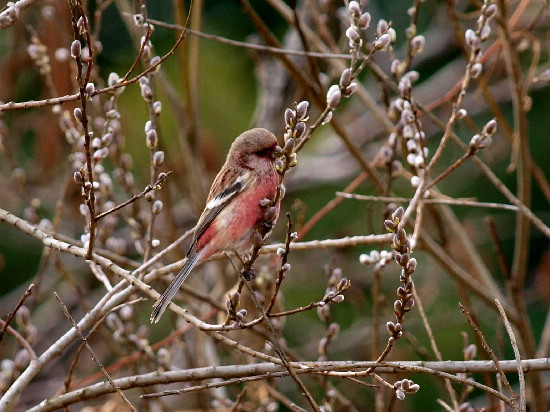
column 265, row 152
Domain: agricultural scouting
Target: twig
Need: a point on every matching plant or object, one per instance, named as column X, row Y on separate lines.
column 521, row 377
column 282, row 271
column 11, row 315
column 487, row 349
column 330, row 205
column 457, row 202
column 22, row 341
column 94, row 357
column 279, row 349
column 155, row 186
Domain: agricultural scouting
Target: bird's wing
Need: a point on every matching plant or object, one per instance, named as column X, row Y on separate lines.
column 216, row 205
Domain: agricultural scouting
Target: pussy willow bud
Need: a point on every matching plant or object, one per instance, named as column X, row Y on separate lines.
column 78, row 114
column 289, row 145
column 417, row 45
column 461, row 113
column 78, row 178
column 470, row 37
column 90, row 88
column 382, row 27
column 354, row 9
column 151, row 139
column 345, row 78
column 299, row 129
column 157, row 207
column 290, row 117
column 490, row 11
column 157, row 107
column 363, row 22
column 76, row 49
column 382, row 42
column 333, row 96
column 301, row 109
column 271, row 214
column 327, row 118
column 476, row 70
column 158, row 158
column 491, row 127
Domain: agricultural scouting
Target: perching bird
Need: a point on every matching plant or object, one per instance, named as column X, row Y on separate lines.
column 233, row 211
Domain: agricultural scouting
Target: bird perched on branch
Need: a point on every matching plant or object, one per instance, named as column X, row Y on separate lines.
column 239, row 207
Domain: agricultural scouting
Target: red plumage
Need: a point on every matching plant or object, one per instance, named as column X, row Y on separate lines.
column 233, row 209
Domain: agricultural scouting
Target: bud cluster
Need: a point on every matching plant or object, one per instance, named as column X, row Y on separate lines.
column 473, row 39
column 234, row 315
column 38, row 52
column 403, row 112
column 403, row 249
column 359, row 22
column 295, row 132
column 485, row 138
column 405, row 387
column 331, row 333
column 336, row 286
column 126, row 330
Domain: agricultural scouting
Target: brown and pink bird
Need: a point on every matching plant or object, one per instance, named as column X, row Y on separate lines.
column 233, row 210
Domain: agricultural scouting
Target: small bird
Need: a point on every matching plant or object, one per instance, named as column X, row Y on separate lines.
column 233, row 209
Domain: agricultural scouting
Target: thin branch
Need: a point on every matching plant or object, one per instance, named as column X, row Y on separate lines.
column 488, row 350
column 521, row 377
column 11, row 315
column 457, row 202
column 155, row 186
column 22, row 341
column 94, row 357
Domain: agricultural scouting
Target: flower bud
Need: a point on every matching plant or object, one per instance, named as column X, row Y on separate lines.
column 327, row 118
column 345, row 78
column 78, row 114
column 76, row 49
column 271, row 214
column 382, row 27
column 78, row 178
column 352, row 88
column 146, row 93
column 470, row 37
column 151, row 139
column 289, row 145
column 113, row 79
column 417, row 45
column 290, row 117
column 90, row 89
column 301, row 109
column 158, row 158
column 382, row 42
column 363, row 22
column 490, row 11
column 299, row 130
column 476, row 70
column 491, row 127
column 333, row 96
column 157, row 207
column 353, row 35
column 157, row 107
column 354, row 9
column 461, row 113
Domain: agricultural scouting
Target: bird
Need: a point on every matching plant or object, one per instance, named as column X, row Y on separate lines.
column 236, row 207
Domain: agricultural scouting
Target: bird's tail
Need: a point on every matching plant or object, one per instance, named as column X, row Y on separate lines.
column 162, row 303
